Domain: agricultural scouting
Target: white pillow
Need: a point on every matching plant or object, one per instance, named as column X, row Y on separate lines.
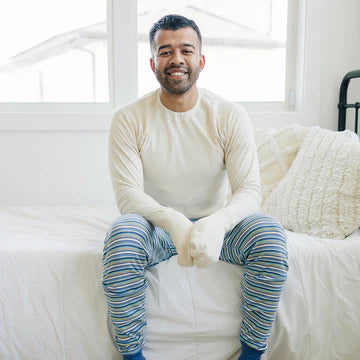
column 320, row 194
column 277, row 149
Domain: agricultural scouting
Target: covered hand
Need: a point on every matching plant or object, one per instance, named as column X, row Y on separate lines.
column 180, row 231
column 206, row 241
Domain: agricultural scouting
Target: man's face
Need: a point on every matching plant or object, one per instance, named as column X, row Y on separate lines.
column 176, row 59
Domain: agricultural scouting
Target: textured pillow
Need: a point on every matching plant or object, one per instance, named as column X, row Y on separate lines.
column 277, row 149
column 320, row 194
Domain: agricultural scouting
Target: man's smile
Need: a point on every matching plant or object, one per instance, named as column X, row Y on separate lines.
column 176, row 73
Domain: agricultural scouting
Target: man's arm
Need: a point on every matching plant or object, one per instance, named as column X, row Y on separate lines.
column 127, row 177
column 243, row 172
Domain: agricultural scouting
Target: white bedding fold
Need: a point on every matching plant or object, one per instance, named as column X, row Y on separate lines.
column 52, row 305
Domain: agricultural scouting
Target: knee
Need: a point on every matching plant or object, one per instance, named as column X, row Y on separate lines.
column 127, row 234
column 265, row 228
column 267, row 238
column 125, row 251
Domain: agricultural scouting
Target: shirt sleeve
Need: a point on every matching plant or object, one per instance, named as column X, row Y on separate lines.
column 242, row 167
column 126, row 173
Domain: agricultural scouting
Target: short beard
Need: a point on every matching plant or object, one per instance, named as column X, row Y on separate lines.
column 174, row 90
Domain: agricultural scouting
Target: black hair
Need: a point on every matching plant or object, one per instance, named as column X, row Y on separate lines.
column 173, row 22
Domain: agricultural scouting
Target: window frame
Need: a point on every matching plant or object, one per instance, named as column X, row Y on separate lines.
column 122, row 39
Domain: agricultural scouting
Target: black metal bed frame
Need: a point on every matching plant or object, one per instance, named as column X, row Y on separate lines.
column 343, row 105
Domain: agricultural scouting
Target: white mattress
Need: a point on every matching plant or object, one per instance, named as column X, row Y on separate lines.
column 52, row 305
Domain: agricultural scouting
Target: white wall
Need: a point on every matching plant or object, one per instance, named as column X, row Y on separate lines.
column 51, row 168
column 70, row 167
column 340, row 53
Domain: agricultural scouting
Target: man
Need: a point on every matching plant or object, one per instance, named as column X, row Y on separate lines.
column 172, row 155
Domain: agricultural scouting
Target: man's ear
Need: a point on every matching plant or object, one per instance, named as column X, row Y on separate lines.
column 202, row 62
column 152, row 64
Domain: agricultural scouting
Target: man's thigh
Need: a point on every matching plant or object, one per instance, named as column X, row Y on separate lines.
column 132, row 231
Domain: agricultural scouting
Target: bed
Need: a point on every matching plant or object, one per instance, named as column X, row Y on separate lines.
column 52, row 304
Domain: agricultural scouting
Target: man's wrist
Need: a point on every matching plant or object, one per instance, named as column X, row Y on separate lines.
column 174, row 220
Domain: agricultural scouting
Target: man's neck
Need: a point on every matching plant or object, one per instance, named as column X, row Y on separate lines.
column 181, row 102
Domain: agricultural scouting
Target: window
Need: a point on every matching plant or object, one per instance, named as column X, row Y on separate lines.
column 90, row 57
column 53, row 51
column 244, row 43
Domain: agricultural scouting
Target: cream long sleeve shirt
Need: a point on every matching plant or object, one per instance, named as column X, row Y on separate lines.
column 169, row 165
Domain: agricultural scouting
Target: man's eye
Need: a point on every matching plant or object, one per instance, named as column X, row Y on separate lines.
column 164, row 53
column 188, row 51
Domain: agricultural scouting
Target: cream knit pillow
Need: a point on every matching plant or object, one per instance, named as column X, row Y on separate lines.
column 320, row 194
column 277, row 149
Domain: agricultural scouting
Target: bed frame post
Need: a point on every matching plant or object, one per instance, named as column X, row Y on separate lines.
column 343, row 105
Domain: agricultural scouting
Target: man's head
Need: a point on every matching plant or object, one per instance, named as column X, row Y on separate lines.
column 173, row 22
column 176, row 53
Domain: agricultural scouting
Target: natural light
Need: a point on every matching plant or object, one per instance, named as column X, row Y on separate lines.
column 57, row 52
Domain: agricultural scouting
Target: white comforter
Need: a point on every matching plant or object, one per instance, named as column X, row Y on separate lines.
column 52, row 305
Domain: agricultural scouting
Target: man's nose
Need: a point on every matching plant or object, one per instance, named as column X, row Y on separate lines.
column 177, row 58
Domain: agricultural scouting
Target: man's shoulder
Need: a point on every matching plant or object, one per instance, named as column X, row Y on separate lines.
column 218, row 103
column 137, row 106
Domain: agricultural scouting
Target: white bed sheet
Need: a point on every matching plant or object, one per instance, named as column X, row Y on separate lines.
column 52, row 305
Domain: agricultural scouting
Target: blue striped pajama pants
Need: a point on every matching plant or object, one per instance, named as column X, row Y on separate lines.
column 133, row 244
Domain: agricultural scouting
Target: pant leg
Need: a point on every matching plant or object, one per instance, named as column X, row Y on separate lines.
column 132, row 245
column 259, row 244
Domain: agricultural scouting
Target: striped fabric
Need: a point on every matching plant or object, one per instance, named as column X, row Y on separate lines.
column 133, row 244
